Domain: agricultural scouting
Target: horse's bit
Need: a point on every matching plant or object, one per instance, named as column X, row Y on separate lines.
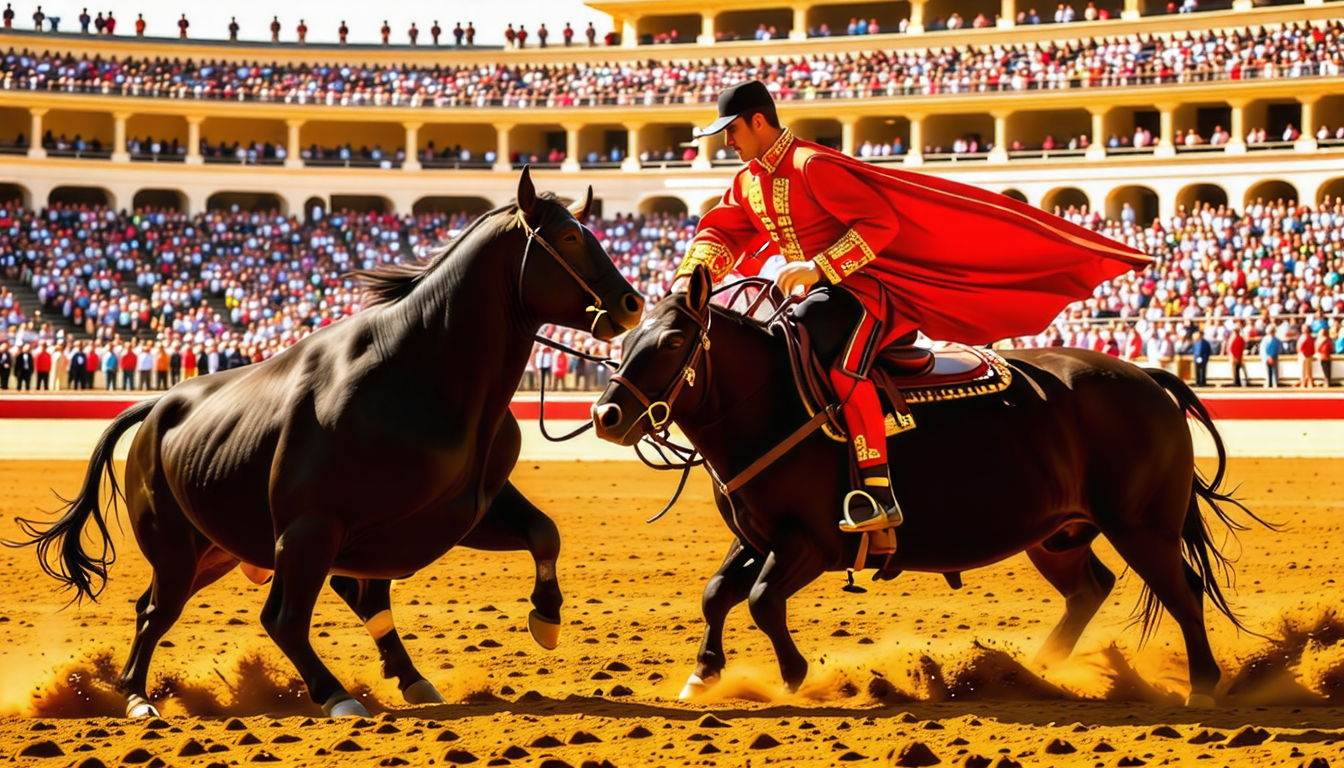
column 535, row 234
column 685, row 378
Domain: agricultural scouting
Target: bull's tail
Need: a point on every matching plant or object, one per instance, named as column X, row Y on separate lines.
column 60, row 546
column 1196, row 543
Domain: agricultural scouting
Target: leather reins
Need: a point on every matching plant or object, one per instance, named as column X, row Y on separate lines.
column 534, row 234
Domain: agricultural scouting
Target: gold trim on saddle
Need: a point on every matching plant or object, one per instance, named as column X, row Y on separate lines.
column 995, row 380
column 896, row 423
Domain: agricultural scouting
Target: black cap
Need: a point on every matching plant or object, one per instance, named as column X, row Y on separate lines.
column 734, row 101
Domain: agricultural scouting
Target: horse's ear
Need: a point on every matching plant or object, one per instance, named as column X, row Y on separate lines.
column 527, row 194
column 702, row 284
column 581, row 211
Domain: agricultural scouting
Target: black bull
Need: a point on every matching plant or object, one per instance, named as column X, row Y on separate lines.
column 365, row 451
column 1080, row 444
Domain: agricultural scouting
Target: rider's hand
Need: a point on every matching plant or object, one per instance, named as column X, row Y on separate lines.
column 796, row 277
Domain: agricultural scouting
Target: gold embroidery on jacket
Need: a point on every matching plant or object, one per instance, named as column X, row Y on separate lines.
column 775, row 154
column 712, row 254
column 788, row 239
column 826, row 268
column 847, row 243
column 756, row 199
column 862, row 451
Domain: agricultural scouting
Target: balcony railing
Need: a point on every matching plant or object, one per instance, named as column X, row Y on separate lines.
column 456, row 164
column 89, row 154
column 236, row 160
column 150, row 157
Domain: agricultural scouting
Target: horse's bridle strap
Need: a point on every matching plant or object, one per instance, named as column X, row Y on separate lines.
column 535, row 234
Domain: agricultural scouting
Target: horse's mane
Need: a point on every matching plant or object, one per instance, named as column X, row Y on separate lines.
column 394, row 282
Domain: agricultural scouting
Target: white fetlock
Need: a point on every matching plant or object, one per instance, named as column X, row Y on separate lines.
column 136, row 706
column 696, row 686
column 544, row 631
column 1200, row 701
column 422, row 692
column 346, row 707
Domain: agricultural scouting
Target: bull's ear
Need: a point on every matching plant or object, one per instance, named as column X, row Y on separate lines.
column 702, row 284
column 527, row 194
column 581, row 211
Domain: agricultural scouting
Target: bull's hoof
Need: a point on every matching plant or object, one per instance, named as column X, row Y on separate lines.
column 136, row 706
column 344, row 707
column 696, row 686
column 545, row 631
column 1199, row 701
column 422, row 692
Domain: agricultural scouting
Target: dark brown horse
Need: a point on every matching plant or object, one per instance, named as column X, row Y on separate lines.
column 365, row 451
column 1080, row 444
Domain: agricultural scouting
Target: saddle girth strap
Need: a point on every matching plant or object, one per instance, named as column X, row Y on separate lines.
column 774, row 454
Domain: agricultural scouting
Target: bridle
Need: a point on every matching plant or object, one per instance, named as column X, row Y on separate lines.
column 686, row 378
column 534, row 234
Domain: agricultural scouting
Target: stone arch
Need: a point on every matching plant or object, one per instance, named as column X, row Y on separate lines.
column 82, row 196
column 1270, row 190
column 11, row 192
column 1063, row 197
column 1016, row 194
column 663, row 204
column 1333, row 188
column 171, row 199
column 1141, row 199
column 447, row 204
column 317, row 203
column 1193, row 195
column 246, row 201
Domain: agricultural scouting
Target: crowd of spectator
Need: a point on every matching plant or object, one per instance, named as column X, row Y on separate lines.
column 1295, row 50
column 1260, row 281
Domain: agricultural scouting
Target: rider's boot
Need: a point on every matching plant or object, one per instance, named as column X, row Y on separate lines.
column 873, row 506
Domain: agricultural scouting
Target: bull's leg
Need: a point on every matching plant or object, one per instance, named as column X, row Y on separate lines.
column 794, row 562
column 371, row 600
column 304, row 554
column 1084, row 581
column 728, row 587
column 514, row 523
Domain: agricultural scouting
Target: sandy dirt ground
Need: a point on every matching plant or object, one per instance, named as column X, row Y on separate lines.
column 910, row 673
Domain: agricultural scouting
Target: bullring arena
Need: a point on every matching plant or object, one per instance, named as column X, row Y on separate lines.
column 907, row 672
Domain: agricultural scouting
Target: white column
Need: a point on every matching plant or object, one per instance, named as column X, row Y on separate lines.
column 631, row 161
column 1130, row 11
column 1007, row 14
column 707, row 30
column 194, row 139
column 1242, row 5
column 1307, row 141
column 703, row 160
column 293, row 144
column 999, row 154
column 799, row 31
column 630, row 32
column 848, row 123
column 35, row 149
column 1097, row 149
column 119, row 153
column 1166, row 142
column 412, row 161
column 1236, row 143
column 915, row 156
column 571, row 164
column 916, row 17
column 502, row 147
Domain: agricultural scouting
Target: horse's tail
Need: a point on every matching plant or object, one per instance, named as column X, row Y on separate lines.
column 69, row 563
column 1197, row 545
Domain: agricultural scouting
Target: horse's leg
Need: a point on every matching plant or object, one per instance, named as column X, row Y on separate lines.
column 794, row 562
column 1156, row 558
column 1084, row 581
column 371, row 600
column 514, row 523
column 183, row 562
column 726, row 588
column 304, row 553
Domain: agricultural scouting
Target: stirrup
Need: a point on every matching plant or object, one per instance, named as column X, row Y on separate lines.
column 882, row 519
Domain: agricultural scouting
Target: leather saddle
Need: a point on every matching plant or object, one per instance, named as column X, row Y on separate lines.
column 904, row 374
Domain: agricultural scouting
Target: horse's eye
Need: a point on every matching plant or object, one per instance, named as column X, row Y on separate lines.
column 671, row 340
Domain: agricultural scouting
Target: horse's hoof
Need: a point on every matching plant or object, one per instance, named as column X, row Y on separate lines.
column 545, row 631
column 422, row 692
column 138, row 707
column 346, row 707
column 1199, row 701
column 696, row 686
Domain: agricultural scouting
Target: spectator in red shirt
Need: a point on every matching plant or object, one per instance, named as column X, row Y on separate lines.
column 1324, row 353
column 140, row 25
column 510, row 37
column 522, row 36
column 591, row 33
column 435, row 31
column 303, row 32
column 1236, row 351
column 233, row 29
column 386, row 32
column 568, row 34
column 90, row 365
column 111, row 24
column 471, row 35
column 182, row 25
column 1306, row 356
column 42, row 364
column 275, row 29
column 542, row 34
column 188, row 362
column 413, row 33
column 343, row 31
column 9, row 16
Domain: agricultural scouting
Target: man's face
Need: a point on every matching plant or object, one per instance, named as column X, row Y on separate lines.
column 745, row 138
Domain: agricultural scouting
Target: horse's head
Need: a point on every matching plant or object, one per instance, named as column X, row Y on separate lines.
column 567, row 278
column 663, row 361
